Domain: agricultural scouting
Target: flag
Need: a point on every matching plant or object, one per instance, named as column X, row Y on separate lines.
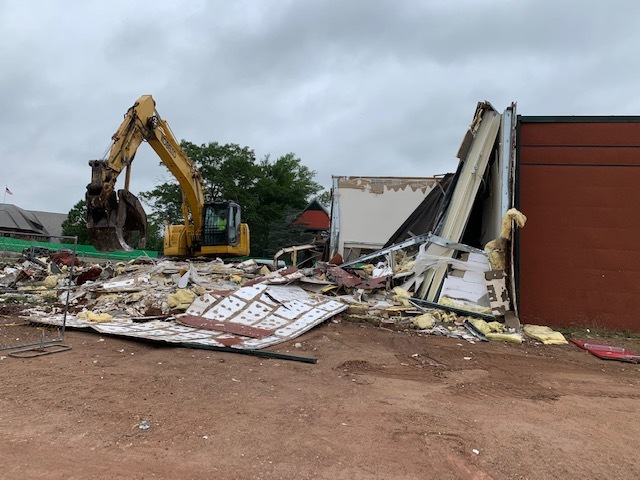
column 6, row 189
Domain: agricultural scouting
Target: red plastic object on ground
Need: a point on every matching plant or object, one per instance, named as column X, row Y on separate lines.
column 608, row 352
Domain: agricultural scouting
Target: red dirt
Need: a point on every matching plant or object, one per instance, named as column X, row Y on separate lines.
column 378, row 404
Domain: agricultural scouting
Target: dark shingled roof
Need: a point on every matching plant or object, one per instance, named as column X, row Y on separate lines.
column 16, row 219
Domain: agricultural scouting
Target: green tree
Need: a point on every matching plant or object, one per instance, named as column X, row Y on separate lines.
column 282, row 191
column 76, row 223
column 165, row 201
column 228, row 171
column 268, row 191
column 325, row 199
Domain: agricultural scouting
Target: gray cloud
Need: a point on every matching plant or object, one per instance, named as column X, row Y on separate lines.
column 353, row 88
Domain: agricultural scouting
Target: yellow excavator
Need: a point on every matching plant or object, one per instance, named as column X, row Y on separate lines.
column 114, row 219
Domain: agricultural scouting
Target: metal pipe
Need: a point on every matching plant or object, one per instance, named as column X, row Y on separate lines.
column 255, row 353
column 470, row 313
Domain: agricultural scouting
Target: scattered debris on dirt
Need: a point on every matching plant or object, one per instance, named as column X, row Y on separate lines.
column 219, row 304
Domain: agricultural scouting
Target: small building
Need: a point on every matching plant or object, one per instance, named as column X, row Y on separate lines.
column 314, row 218
column 52, row 222
column 26, row 222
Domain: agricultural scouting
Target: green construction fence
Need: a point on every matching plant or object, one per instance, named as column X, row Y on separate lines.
column 8, row 244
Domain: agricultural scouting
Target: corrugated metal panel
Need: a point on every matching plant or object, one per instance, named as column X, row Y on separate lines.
column 578, row 254
column 604, row 156
column 474, row 153
column 605, row 133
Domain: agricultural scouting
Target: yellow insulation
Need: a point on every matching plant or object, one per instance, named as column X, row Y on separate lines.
column 181, row 300
column 505, row 337
column 511, row 215
column 95, row 317
column 424, row 321
column 544, row 334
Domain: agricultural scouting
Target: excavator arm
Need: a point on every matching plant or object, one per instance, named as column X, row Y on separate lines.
column 113, row 217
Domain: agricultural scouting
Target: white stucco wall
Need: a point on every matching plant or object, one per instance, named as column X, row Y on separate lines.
column 370, row 209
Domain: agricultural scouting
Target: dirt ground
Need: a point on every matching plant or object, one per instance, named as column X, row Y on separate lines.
column 378, row 404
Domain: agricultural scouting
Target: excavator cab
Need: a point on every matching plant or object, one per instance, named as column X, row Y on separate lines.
column 221, row 234
column 220, row 224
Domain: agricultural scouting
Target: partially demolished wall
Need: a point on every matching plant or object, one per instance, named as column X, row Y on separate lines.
column 366, row 211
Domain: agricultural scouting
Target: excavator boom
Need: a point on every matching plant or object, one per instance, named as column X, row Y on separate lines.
column 116, row 218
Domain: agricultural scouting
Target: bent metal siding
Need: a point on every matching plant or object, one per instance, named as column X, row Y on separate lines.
column 578, row 257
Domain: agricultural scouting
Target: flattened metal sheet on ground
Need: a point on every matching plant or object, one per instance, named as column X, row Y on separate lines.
column 288, row 311
column 226, row 327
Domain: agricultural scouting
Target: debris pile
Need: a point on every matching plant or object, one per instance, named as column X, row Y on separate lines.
column 246, row 305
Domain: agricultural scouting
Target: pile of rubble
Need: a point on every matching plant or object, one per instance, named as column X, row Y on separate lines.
column 423, row 278
column 246, row 305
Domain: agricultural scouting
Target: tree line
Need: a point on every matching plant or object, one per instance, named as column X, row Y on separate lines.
column 270, row 193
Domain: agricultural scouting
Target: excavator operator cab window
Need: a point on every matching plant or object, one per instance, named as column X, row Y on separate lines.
column 216, row 225
column 220, row 225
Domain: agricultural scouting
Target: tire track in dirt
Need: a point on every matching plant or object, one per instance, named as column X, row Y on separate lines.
column 481, row 384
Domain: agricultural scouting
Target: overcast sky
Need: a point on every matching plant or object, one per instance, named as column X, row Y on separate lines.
column 352, row 87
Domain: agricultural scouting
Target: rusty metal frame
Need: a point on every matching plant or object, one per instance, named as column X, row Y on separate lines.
column 31, row 352
column 294, row 253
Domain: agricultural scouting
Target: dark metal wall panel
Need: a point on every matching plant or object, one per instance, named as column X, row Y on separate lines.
column 603, row 156
column 578, row 255
column 615, row 134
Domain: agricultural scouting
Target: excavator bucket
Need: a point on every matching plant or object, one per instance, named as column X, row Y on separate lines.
column 112, row 227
